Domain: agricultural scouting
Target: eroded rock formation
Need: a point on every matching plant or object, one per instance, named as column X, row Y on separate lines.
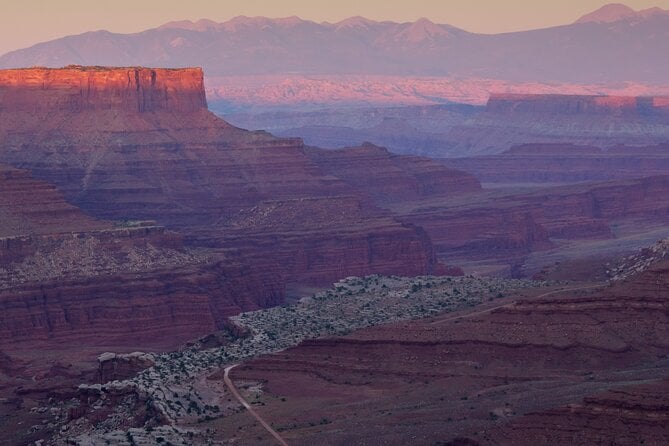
column 171, row 160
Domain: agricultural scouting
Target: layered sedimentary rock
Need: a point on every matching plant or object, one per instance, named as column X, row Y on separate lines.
column 629, row 415
column 149, row 308
column 112, row 366
column 556, row 163
column 471, row 377
column 136, row 143
column 499, row 224
column 28, row 206
column 313, row 240
column 603, row 121
column 94, row 89
column 67, row 278
column 388, row 177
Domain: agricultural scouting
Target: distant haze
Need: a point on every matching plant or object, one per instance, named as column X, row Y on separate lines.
column 26, row 22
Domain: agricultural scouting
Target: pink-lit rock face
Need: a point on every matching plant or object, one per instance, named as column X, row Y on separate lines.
column 92, row 88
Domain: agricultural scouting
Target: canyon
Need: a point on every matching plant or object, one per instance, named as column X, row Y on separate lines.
column 134, row 221
column 133, row 144
column 156, row 152
column 559, row 366
column 603, row 121
column 597, row 118
column 124, row 198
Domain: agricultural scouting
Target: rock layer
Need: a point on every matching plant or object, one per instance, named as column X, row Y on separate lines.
column 510, row 225
column 67, row 278
column 388, row 177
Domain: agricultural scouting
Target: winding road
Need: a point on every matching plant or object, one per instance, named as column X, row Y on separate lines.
column 247, row 406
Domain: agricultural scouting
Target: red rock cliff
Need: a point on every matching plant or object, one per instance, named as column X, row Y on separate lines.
column 78, row 88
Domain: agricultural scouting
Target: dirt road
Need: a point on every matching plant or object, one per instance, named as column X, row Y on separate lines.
column 242, row 401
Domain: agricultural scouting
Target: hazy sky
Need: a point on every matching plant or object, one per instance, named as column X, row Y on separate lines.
column 26, row 22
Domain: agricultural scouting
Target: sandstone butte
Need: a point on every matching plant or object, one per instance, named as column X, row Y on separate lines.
column 107, row 145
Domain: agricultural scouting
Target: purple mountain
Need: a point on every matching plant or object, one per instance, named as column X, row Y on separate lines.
column 612, row 44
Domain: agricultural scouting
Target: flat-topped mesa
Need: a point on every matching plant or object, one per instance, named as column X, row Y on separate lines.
column 579, row 104
column 77, row 88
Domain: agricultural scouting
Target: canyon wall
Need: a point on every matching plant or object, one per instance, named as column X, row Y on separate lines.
column 70, row 279
column 389, row 177
column 603, row 121
column 508, row 225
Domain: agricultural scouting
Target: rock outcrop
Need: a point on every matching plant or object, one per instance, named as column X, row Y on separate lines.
column 113, row 366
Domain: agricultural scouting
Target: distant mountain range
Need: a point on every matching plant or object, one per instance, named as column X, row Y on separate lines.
column 612, row 44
